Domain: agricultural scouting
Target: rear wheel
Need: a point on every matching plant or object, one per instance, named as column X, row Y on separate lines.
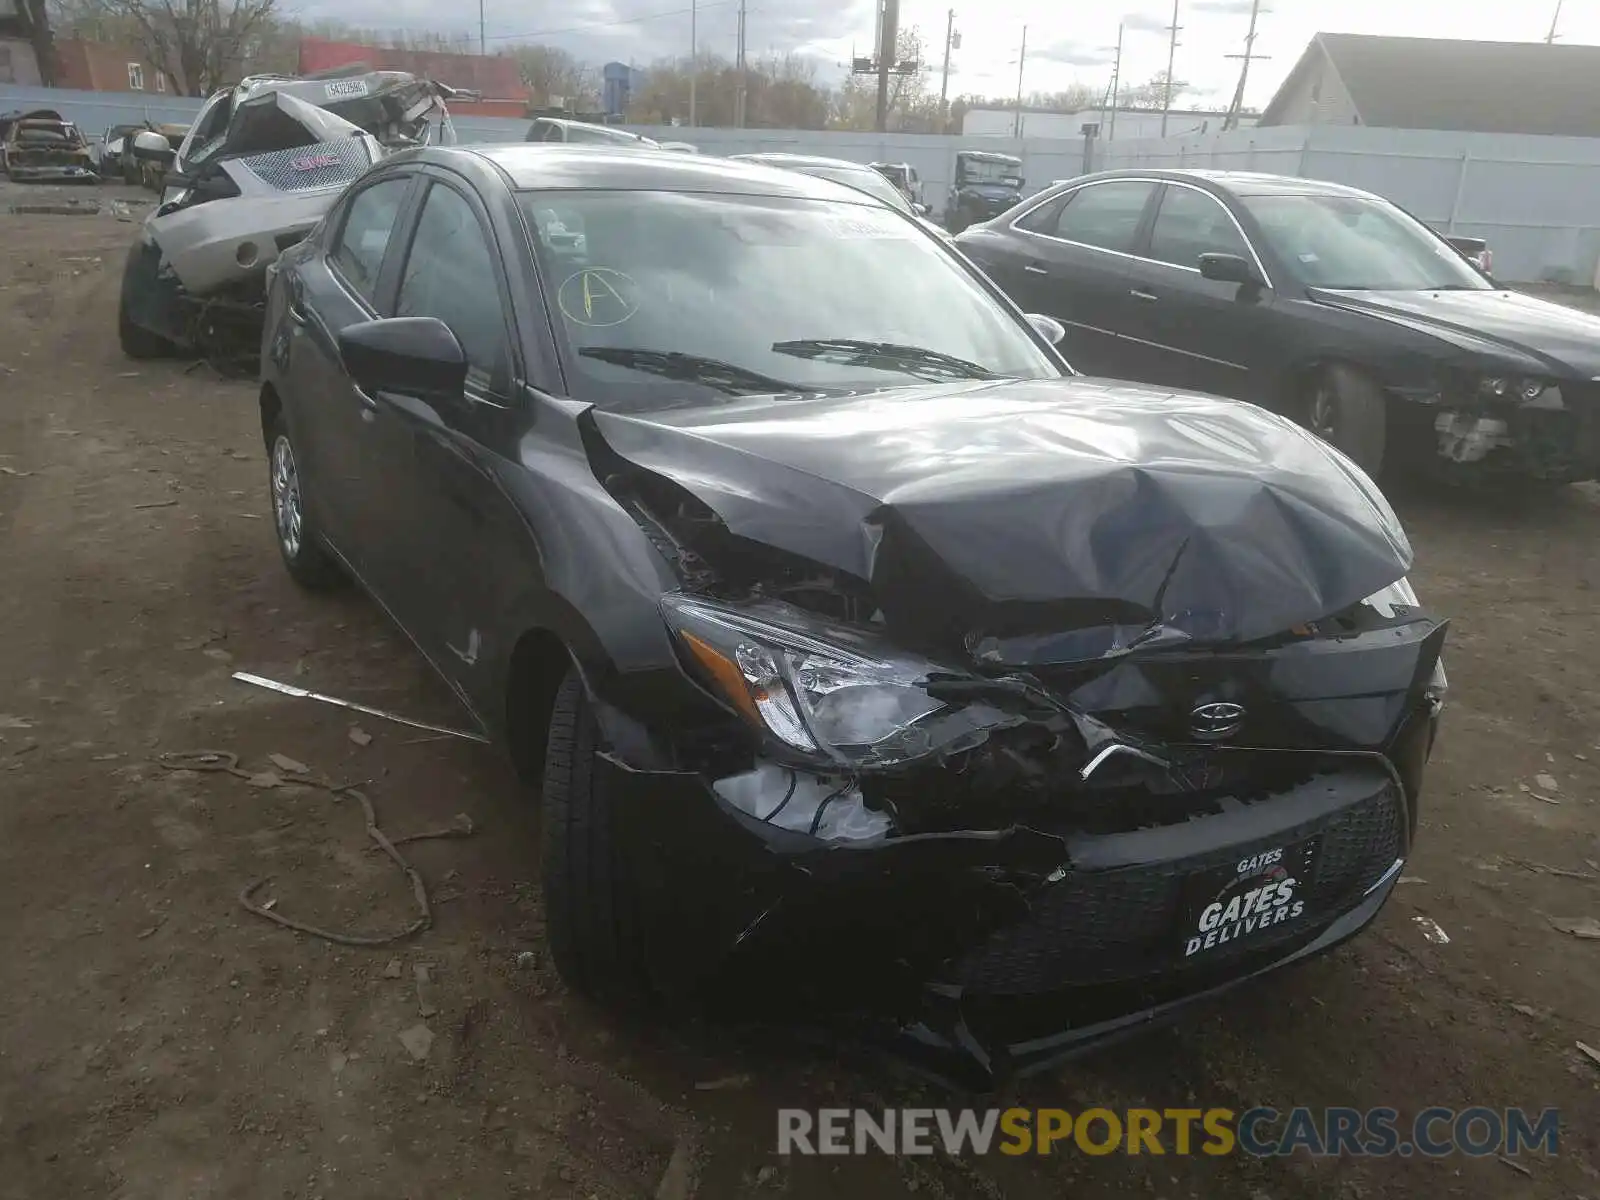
column 308, row 562
column 591, row 907
column 1348, row 410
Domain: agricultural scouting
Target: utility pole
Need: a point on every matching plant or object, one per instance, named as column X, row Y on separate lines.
column 1016, row 128
column 1550, row 38
column 1231, row 121
column 1172, row 53
column 481, row 39
column 694, row 58
column 1116, row 86
column 952, row 39
column 739, row 96
column 888, row 38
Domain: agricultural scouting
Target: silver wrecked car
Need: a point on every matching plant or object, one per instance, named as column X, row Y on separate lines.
column 262, row 163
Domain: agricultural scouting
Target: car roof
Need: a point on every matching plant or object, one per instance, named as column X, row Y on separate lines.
column 779, row 158
column 1237, row 183
column 568, row 122
column 556, row 165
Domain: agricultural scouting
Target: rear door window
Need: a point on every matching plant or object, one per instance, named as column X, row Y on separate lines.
column 364, row 237
column 1106, row 215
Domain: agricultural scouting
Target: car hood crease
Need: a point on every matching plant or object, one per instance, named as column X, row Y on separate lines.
column 1020, row 507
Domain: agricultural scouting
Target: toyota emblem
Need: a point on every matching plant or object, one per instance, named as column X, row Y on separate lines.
column 1215, row 721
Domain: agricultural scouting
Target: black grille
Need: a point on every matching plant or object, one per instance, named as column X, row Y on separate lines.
column 1095, row 927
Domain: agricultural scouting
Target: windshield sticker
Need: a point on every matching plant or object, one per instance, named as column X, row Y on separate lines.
column 598, row 296
column 339, row 89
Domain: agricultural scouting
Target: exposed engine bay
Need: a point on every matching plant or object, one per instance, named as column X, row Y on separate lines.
column 258, row 169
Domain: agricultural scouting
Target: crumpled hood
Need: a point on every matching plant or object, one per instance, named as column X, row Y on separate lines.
column 1546, row 338
column 1015, row 508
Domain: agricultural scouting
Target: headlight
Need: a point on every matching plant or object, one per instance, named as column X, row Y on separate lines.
column 1511, row 387
column 824, row 693
column 1394, row 600
column 1397, row 600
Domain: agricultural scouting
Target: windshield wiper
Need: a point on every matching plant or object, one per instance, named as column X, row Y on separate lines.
column 885, row 356
column 692, row 368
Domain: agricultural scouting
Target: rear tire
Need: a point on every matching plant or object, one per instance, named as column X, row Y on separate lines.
column 591, row 908
column 1348, row 410
column 299, row 544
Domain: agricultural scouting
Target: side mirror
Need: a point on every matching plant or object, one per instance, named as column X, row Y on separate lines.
column 410, row 356
column 1227, row 268
column 151, row 146
column 921, row 210
column 1050, row 329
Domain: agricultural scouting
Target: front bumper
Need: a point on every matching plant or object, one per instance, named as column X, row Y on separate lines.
column 985, row 954
column 1559, row 441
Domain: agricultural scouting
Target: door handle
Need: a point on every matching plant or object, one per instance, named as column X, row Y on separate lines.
column 1032, row 269
column 369, row 406
column 1147, row 297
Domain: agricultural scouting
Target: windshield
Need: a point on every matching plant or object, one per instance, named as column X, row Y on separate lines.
column 668, row 298
column 978, row 171
column 1356, row 244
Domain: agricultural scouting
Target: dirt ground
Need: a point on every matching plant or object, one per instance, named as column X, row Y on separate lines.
column 156, row 1041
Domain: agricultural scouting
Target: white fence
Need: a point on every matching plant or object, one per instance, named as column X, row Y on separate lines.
column 1535, row 199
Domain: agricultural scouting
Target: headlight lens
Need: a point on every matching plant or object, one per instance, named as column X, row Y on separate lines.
column 1394, row 600
column 1503, row 386
column 820, row 692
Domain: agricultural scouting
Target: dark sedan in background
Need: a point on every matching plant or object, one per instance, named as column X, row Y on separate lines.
column 866, row 654
column 1323, row 302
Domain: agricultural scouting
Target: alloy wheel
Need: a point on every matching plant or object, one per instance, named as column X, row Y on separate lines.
column 286, row 496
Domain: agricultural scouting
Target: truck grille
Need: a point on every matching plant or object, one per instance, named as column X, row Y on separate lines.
column 305, row 167
column 1124, row 924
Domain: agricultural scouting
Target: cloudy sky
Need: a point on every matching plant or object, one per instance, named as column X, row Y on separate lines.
column 1066, row 43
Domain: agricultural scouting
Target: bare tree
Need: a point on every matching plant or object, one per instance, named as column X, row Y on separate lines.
column 1152, row 94
column 199, row 45
column 550, row 71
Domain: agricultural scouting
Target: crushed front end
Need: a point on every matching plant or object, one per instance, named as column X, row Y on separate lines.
column 1024, row 863
column 242, row 194
column 1008, row 828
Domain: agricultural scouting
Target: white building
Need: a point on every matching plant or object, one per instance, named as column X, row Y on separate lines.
column 1130, row 123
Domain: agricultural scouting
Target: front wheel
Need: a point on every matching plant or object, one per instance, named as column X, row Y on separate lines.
column 1348, row 410
column 300, row 545
column 591, row 908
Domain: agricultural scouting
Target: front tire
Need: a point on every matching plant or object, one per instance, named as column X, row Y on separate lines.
column 591, row 908
column 300, row 545
column 1349, row 411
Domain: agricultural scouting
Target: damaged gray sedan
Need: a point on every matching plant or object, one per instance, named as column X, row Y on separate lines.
column 869, row 660
column 260, row 166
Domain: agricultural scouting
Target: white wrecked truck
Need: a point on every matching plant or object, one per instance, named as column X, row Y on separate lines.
column 261, row 164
